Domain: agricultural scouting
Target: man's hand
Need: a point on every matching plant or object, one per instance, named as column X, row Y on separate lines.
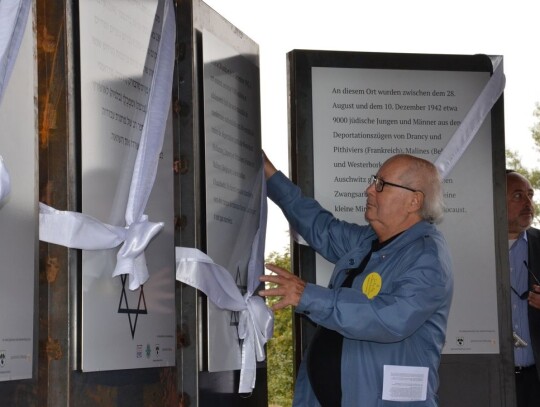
column 290, row 287
column 534, row 296
column 269, row 168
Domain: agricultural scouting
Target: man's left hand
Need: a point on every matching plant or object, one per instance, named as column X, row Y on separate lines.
column 290, row 287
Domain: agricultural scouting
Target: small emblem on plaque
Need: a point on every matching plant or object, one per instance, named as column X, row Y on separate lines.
column 148, row 351
column 2, row 358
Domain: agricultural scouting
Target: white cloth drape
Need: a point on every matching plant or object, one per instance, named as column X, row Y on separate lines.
column 77, row 230
column 256, row 324
column 13, row 18
column 472, row 122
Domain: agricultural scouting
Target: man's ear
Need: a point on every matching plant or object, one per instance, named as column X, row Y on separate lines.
column 417, row 201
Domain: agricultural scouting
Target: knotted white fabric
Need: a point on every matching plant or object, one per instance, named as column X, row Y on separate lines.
column 256, row 323
column 80, row 231
column 13, row 18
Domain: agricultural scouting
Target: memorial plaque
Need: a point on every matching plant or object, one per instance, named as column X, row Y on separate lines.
column 18, row 215
column 361, row 117
column 233, row 181
column 123, row 329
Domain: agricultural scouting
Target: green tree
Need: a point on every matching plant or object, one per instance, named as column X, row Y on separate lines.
column 513, row 161
column 280, row 347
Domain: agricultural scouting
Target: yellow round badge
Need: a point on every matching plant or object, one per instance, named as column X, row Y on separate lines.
column 372, row 285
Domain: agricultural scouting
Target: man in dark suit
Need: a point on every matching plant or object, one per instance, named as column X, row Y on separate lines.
column 524, row 255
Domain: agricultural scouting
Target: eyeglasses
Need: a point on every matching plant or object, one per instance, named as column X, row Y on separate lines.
column 524, row 295
column 380, row 183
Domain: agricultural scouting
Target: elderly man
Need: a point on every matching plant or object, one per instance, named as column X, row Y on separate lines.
column 383, row 316
column 524, row 254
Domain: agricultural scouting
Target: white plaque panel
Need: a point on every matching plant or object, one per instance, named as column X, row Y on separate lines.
column 361, row 117
column 232, row 163
column 123, row 329
column 18, row 215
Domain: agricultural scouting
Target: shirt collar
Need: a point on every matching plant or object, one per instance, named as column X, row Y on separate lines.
column 521, row 236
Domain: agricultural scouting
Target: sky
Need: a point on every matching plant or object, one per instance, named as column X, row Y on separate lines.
column 416, row 26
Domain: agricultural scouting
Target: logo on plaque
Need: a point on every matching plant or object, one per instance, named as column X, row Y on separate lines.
column 2, row 358
column 148, row 351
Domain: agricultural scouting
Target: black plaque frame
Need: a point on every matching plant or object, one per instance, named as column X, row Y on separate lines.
column 466, row 380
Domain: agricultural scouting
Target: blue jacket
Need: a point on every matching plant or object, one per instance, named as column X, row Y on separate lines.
column 403, row 323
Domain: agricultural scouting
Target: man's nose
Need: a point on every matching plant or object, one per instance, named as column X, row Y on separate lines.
column 372, row 186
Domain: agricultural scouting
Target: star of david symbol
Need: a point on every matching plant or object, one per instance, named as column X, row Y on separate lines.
column 235, row 315
column 131, row 311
